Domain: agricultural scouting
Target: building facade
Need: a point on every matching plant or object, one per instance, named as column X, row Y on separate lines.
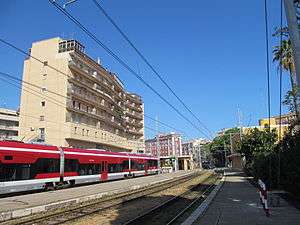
column 168, row 148
column 9, row 124
column 280, row 128
column 193, row 148
column 76, row 102
column 169, row 145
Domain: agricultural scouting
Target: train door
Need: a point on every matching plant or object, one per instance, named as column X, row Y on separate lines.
column 146, row 166
column 104, row 174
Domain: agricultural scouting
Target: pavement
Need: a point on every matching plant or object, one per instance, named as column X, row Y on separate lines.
column 18, row 206
column 237, row 203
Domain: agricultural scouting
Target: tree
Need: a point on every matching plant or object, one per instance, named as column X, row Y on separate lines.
column 283, row 55
column 221, row 146
column 256, row 145
column 289, row 99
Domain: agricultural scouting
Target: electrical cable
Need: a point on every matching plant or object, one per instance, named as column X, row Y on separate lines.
column 125, row 65
column 149, row 64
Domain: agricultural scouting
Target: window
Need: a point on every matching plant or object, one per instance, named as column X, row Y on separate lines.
column 89, row 169
column 87, row 132
column 114, row 168
column 8, row 157
column 12, row 172
column 43, row 103
column 71, row 165
column 42, row 134
column 44, row 89
column 42, row 118
column 47, row 165
column 82, row 132
column 75, row 130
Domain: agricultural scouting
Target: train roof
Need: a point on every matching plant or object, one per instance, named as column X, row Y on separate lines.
column 41, row 147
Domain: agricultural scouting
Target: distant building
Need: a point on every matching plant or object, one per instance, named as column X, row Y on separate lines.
column 9, row 124
column 169, row 149
column 286, row 120
column 235, row 158
column 169, row 145
column 193, row 149
column 79, row 103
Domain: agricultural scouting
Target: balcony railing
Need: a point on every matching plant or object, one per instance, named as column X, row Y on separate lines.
column 12, row 128
column 94, row 115
column 134, row 115
column 94, row 76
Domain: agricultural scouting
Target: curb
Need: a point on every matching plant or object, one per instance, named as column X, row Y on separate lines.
column 204, row 205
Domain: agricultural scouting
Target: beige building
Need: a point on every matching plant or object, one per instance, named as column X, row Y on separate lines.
column 76, row 101
column 9, row 124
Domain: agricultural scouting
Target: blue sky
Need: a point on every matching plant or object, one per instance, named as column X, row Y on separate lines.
column 212, row 53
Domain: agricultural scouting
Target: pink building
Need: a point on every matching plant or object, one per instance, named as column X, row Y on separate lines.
column 169, row 145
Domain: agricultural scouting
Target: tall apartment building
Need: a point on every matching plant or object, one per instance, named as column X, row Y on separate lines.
column 169, row 145
column 77, row 102
column 9, row 124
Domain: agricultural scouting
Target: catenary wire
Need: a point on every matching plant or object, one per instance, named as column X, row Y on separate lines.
column 53, row 100
column 124, row 64
column 143, row 57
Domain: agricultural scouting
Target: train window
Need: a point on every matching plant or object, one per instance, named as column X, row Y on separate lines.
column 114, row 168
column 71, row 165
column 89, row 169
column 125, row 165
column 140, row 166
column 103, row 168
column 47, row 166
column 152, row 163
column 8, row 157
column 13, row 172
column 137, row 166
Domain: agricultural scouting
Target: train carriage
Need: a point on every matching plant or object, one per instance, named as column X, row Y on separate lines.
column 25, row 167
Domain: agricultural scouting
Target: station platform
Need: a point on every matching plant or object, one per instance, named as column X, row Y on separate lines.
column 237, row 203
column 22, row 205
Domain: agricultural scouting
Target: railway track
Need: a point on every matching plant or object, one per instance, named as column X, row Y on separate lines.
column 79, row 211
column 152, row 209
column 176, row 209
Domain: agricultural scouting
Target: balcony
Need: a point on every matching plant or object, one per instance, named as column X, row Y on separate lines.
column 133, row 107
column 135, row 132
column 134, row 97
column 94, row 76
column 95, row 116
column 94, row 90
column 134, row 115
column 102, row 137
column 11, row 128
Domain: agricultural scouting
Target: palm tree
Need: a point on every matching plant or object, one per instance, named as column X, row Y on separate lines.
column 284, row 56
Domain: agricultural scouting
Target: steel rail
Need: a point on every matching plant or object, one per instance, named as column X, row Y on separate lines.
column 137, row 220
column 87, row 209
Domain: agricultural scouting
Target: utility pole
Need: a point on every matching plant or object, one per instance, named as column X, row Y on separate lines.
column 231, row 150
column 292, row 11
column 225, row 154
column 240, row 122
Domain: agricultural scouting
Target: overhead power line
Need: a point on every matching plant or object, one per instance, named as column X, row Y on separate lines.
column 17, row 82
column 36, row 93
column 124, row 64
column 143, row 57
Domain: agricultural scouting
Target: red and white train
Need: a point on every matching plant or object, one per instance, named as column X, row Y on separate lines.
column 25, row 167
